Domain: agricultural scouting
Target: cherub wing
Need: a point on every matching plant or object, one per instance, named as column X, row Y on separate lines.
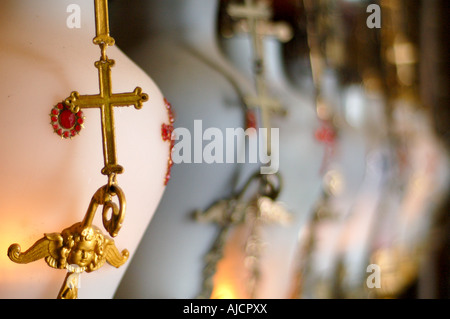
column 113, row 256
column 43, row 248
column 54, row 259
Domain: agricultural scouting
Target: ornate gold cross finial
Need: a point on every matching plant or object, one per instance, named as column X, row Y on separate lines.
column 103, row 39
column 83, row 247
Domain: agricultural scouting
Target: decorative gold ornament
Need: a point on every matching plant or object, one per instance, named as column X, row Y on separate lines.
column 251, row 207
column 82, row 246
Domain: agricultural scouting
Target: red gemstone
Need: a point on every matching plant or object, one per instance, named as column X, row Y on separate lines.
column 250, row 119
column 60, row 132
column 66, row 134
column 60, row 106
column 319, row 135
column 54, row 119
column 166, row 132
column 67, row 119
column 80, row 121
column 78, row 128
column 170, row 111
column 325, row 134
column 55, row 112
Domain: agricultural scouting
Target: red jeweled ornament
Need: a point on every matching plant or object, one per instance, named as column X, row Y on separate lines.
column 327, row 135
column 250, row 119
column 166, row 133
column 67, row 119
column 65, row 122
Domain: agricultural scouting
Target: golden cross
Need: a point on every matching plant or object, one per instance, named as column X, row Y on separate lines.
column 255, row 13
column 106, row 100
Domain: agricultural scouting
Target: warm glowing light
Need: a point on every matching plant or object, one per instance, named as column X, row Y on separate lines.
column 230, row 278
column 224, row 290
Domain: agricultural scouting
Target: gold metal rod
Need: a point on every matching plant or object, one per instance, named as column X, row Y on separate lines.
column 102, row 25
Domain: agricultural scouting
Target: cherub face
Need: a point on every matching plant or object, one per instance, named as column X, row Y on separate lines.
column 82, row 254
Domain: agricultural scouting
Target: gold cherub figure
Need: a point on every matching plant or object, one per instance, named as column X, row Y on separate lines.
column 80, row 247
